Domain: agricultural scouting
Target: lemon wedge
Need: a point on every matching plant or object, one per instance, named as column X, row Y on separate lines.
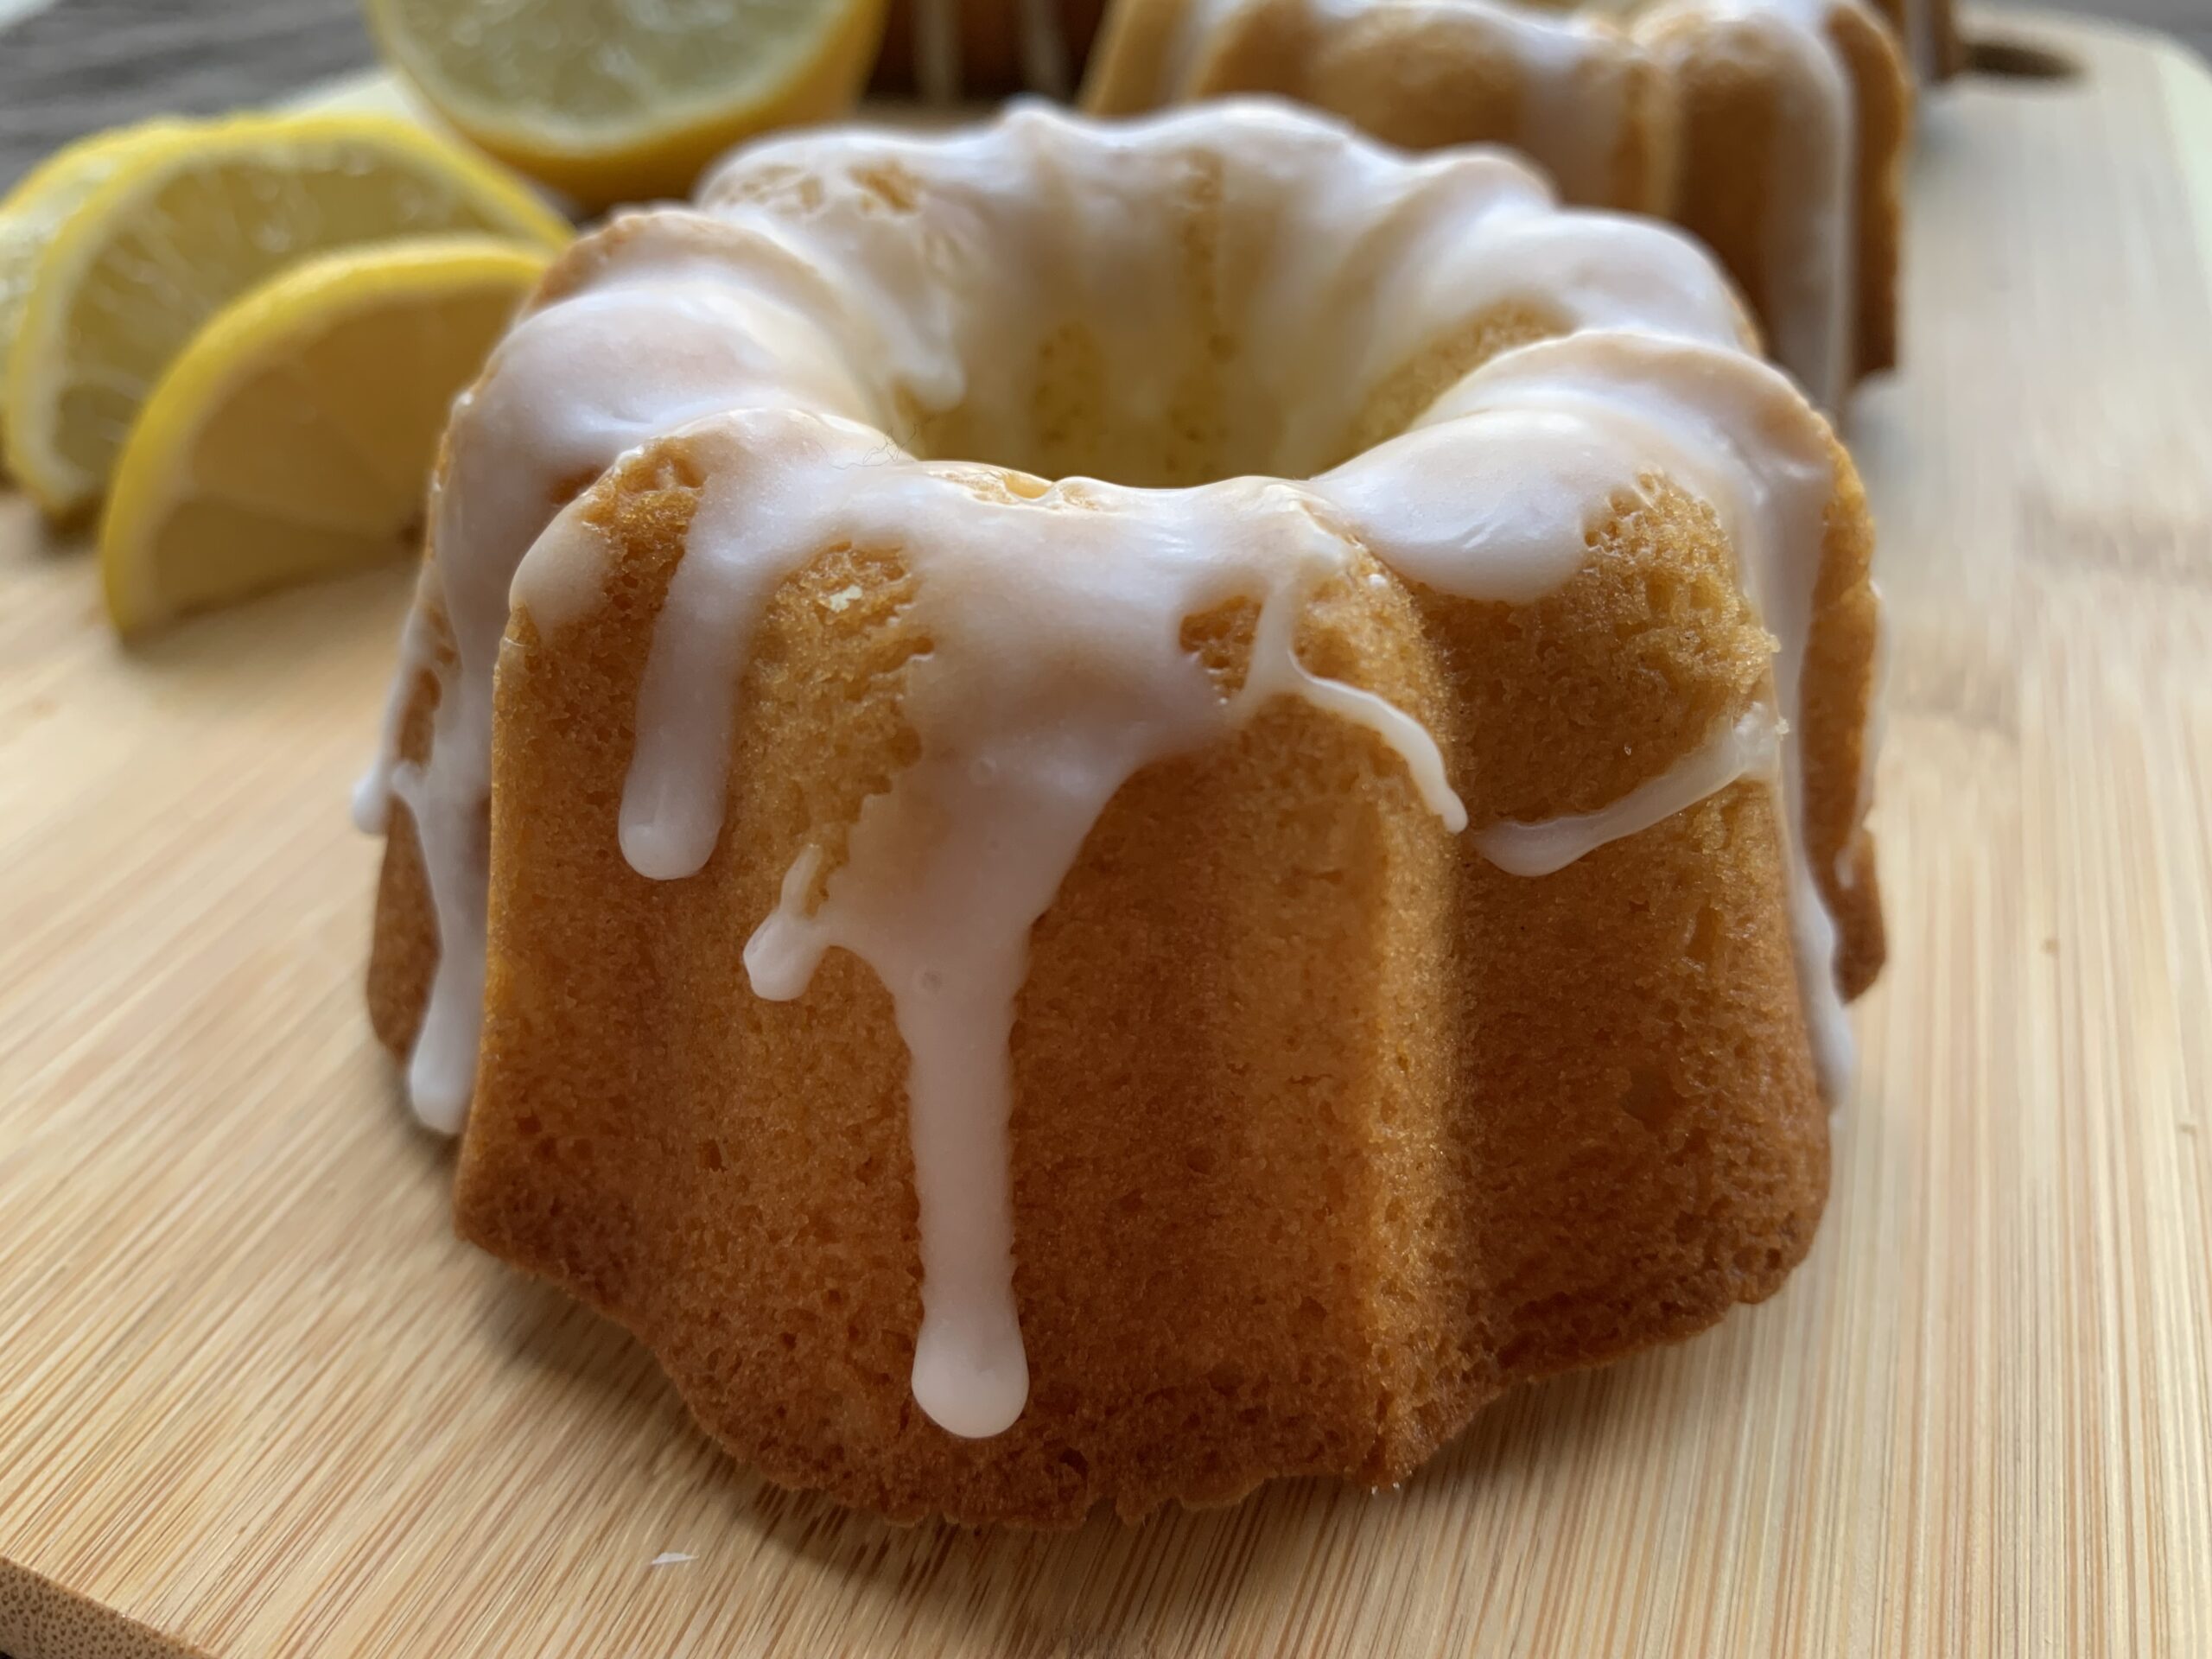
column 295, row 436
column 186, row 222
column 619, row 100
column 49, row 193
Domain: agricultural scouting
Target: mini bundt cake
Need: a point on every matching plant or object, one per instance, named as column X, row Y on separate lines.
column 1775, row 130
column 1174, row 798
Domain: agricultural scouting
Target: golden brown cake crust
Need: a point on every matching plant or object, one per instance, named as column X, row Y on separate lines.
column 1388, row 1130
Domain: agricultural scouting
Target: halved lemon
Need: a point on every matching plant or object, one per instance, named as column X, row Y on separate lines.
column 619, row 100
column 189, row 221
column 48, row 194
column 295, row 436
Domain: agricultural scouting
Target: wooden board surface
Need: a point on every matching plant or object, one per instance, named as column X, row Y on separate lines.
column 253, row 1394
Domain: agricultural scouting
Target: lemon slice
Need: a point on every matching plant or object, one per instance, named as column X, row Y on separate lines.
column 49, row 193
column 619, row 100
column 294, row 438
column 189, row 221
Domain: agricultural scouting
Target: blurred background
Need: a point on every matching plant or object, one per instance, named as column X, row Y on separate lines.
column 135, row 246
column 67, row 67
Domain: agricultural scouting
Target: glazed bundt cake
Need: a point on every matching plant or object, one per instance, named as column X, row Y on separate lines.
column 1775, row 130
column 1174, row 798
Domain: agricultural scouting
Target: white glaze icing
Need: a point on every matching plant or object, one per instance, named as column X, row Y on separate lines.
column 828, row 302
column 442, row 1069
column 372, row 794
column 1575, row 100
column 1748, row 745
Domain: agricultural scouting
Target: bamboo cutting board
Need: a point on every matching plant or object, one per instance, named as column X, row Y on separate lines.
column 253, row 1394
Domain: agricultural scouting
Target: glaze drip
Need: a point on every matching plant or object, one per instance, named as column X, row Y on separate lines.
column 372, row 795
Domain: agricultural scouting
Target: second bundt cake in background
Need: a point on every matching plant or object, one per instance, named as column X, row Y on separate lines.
column 1174, row 799
column 1775, row 130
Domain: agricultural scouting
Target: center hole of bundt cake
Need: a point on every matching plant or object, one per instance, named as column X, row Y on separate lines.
column 1166, row 413
column 1195, row 392
column 1190, row 393
column 1200, row 339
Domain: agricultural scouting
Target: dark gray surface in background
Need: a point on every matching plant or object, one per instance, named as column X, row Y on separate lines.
column 82, row 65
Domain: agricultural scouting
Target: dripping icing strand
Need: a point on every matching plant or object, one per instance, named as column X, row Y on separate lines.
column 372, row 795
column 1748, row 745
